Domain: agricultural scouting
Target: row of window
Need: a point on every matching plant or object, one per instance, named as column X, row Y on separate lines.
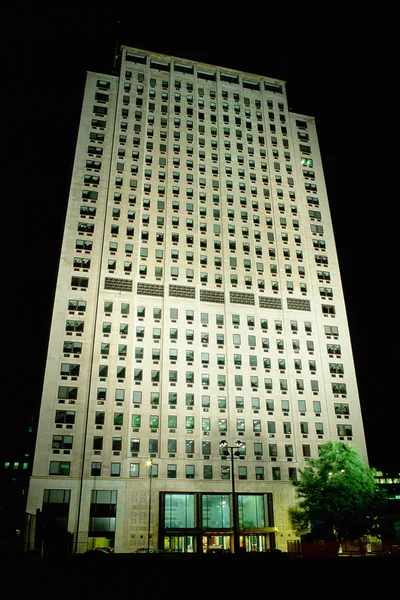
column 154, row 422
column 202, row 156
column 67, row 417
column 189, row 257
column 225, row 94
column 65, row 442
column 72, row 347
column 343, row 430
column 70, row 394
column 204, row 318
column 220, row 380
column 189, row 471
column 214, row 155
column 189, row 100
column 79, row 306
column 206, row 380
column 63, row 468
column 237, row 339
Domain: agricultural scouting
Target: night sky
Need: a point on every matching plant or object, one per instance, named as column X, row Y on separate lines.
column 47, row 59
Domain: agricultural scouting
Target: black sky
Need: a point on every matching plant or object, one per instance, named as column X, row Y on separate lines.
column 49, row 51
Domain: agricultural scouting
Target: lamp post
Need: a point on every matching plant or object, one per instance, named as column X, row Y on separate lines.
column 149, row 463
column 233, row 451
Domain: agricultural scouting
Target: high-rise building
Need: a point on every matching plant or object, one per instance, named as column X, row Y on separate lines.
column 199, row 350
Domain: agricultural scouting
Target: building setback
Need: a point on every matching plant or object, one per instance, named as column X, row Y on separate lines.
column 198, row 300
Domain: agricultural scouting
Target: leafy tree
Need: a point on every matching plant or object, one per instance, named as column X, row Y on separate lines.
column 337, row 495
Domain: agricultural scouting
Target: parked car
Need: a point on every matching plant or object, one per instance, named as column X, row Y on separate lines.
column 274, row 552
column 100, row 550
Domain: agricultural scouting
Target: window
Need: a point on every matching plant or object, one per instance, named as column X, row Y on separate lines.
column 135, row 445
column 344, row 430
column 95, row 469
column 60, row 468
column 99, row 417
column 171, row 471
column 276, row 473
column 117, row 444
column 205, row 401
column 136, row 421
column 242, row 472
column 115, row 469
column 62, row 442
column 134, row 470
column 225, row 472
column 154, row 421
column 189, row 471
column 240, row 424
column 259, row 473
column 153, row 446
column 287, row 427
column 342, row 409
column 207, row 472
column 137, row 397
column 257, row 425
column 288, row 450
column 65, row 417
column 270, row 404
column 172, row 422
column 69, row 370
column 171, row 446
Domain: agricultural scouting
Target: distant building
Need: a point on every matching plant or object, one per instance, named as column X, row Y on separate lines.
column 15, row 471
column 390, row 527
column 198, row 300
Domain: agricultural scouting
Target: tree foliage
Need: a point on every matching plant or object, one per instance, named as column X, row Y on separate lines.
column 337, row 495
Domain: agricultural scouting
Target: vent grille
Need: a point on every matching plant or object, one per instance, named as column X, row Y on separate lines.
column 212, row 296
column 298, row 304
column 241, row 298
column 150, row 289
column 270, row 303
column 182, row 291
column 120, row 285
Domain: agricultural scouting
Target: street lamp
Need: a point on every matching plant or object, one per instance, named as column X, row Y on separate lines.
column 149, row 463
column 233, row 452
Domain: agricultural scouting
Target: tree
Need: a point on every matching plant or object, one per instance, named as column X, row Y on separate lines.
column 337, row 496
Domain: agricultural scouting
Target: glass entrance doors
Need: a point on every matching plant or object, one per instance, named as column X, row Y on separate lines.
column 219, row 544
column 216, row 544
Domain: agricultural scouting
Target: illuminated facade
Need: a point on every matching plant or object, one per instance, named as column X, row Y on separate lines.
column 198, row 300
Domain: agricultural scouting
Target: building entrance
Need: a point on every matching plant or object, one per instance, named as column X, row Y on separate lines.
column 216, row 544
column 219, row 544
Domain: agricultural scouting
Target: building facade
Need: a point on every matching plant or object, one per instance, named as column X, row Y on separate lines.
column 198, row 301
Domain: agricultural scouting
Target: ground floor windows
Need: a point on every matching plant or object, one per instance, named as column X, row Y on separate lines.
column 251, row 511
column 179, row 511
column 199, row 522
column 214, row 543
column 216, row 511
column 180, row 522
column 103, row 510
column 56, row 508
